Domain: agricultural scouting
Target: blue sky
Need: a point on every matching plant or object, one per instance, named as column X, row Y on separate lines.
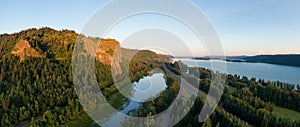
column 245, row 27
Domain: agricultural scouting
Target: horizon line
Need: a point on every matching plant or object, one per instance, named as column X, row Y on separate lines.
column 70, row 29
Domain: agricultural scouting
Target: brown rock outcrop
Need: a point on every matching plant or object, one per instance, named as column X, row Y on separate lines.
column 108, row 52
column 23, row 49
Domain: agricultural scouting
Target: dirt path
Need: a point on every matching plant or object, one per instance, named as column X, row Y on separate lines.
column 28, row 122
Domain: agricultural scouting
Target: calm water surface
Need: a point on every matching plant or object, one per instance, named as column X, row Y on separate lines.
column 146, row 88
column 264, row 71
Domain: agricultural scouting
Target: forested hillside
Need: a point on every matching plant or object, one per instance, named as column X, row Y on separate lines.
column 289, row 60
column 36, row 76
column 245, row 102
column 37, row 79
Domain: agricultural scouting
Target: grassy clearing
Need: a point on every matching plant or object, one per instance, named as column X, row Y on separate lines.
column 82, row 121
column 286, row 113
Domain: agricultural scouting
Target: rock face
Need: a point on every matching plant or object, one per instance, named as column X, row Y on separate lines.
column 108, row 52
column 23, row 49
column 107, row 49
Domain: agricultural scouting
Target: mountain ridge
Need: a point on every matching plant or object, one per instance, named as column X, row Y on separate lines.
column 278, row 59
column 54, row 44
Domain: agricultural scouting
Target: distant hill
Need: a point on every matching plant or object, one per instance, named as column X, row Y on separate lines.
column 280, row 59
column 288, row 60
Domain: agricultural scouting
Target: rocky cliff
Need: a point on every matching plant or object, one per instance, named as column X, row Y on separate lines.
column 23, row 49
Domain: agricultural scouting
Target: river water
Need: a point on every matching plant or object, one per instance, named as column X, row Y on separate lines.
column 264, row 71
column 145, row 89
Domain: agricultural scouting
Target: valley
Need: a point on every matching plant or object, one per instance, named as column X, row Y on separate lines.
column 36, row 85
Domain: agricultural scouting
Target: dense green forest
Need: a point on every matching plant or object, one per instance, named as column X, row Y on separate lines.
column 245, row 101
column 288, row 59
column 41, row 87
column 36, row 85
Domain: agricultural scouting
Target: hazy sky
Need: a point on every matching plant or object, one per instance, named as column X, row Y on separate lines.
column 245, row 27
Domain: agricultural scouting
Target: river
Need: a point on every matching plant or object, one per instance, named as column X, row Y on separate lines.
column 264, row 71
column 145, row 89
